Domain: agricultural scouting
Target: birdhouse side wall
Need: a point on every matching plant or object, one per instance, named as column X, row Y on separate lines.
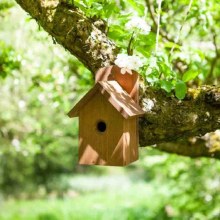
column 131, row 139
column 101, row 147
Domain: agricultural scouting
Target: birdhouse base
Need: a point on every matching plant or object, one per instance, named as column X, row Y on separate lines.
column 91, row 157
column 104, row 163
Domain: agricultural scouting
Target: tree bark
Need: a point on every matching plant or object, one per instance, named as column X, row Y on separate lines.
column 168, row 122
column 206, row 146
column 81, row 36
column 168, row 119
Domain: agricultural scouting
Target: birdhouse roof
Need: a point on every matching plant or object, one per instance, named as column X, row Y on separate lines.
column 115, row 95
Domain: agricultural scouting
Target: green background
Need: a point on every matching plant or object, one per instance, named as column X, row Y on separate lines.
column 39, row 175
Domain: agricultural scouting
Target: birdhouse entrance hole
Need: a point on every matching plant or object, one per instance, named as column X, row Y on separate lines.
column 101, row 126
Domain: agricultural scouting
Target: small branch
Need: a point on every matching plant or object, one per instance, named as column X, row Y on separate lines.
column 215, row 43
column 158, row 25
column 215, row 60
column 181, row 27
column 151, row 10
column 129, row 49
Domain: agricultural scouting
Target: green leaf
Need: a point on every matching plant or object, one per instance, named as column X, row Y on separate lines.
column 109, row 9
column 137, row 6
column 145, row 51
column 189, row 75
column 166, row 85
column 81, row 5
column 171, row 44
column 116, row 32
column 180, row 90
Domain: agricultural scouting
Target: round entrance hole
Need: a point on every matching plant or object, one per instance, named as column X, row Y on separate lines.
column 101, row 126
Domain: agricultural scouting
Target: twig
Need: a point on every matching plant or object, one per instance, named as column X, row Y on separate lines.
column 129, row 49
column 181, row 27
column 152, row 13
column 217, row 56
column 158, row 25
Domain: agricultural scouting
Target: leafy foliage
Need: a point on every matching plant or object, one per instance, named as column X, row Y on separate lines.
column 38, row 143
column 5, row 4
column 34, row 105
column 185, row 44
column 9, row 60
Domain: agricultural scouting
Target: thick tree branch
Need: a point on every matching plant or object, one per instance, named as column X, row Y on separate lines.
column 206, row 146
column 73, row 30
column 167, row 119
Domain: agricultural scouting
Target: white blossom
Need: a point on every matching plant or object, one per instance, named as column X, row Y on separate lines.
column 128, row 62
column 138, row 23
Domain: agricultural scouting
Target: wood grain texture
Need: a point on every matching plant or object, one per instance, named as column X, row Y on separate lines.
column 117, row 146
column 131, row 139
column 113, row 100
column 96, row 147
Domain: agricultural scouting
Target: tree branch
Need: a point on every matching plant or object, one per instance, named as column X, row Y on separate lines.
column 167, row 119
column 73, row 30
column 206, row 146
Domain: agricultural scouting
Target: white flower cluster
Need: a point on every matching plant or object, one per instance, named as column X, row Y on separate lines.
column 128, row 63
column 138, row 23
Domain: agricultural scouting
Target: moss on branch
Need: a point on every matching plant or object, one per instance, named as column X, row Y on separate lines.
column 170, row 119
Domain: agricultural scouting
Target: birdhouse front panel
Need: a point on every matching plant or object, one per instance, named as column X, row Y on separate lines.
column 101, row 133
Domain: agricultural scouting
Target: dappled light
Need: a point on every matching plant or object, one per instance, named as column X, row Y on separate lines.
column 173, row 50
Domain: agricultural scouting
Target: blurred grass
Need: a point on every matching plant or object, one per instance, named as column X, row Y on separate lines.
column 125, row 200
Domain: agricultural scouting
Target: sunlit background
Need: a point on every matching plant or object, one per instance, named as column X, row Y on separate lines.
column 39, row 175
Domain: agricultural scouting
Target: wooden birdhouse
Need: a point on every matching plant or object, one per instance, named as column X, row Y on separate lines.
column 108, row 131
